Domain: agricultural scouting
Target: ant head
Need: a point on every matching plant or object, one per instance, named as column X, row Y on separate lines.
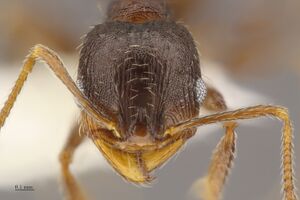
column 146, row 77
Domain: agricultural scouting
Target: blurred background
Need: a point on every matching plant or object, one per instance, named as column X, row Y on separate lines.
column 250, row 51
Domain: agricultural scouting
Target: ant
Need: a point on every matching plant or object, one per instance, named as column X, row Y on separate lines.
column 140, row 89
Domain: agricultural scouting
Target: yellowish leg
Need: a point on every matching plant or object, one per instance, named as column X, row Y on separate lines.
column 50, row 57
column 73, row 190
column 40, row 52
column 222, row 159
column 254, row 112
column 212, row 184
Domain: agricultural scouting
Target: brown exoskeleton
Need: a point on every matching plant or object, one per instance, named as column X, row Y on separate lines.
column 140, row 90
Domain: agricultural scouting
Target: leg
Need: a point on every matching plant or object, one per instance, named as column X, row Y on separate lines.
column 254, row 112
column 45, row 54
column 73, row 191
column 220, row 165
column 223, row 156
column 214, row 100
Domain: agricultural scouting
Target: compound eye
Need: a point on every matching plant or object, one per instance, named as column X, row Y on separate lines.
column 201, row 90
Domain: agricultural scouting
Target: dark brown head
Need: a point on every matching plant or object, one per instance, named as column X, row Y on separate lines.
column 145, row 77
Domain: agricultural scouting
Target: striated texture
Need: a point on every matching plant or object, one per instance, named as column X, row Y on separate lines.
column 144, row 75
